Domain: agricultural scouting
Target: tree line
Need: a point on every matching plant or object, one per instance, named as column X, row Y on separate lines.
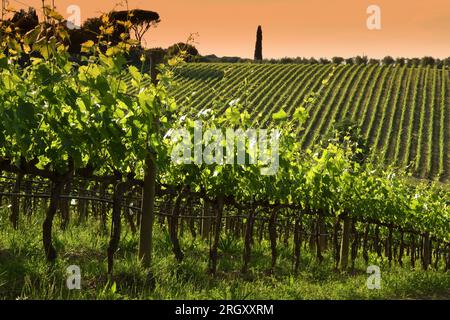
column 358, row 60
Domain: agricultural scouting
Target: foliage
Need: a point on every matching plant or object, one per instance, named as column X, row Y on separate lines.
column 337, row 60
column 258, row 45
column 61, row 117
column 388, row 60
column 24, row 21
column 189, row 51
column 385, row 117
column 57, row 110
column 137, row 20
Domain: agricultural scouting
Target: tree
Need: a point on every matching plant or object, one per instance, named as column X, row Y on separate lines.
column 427, row 61
column 349, row 61
column 337, row 60
column 286, row 60
column 190, row 51
column 92, row 25
column 160, row 53
column 447, row 62
column 141, row 20
column 400, row 61
column 90, row 30
column 25, row 21
column 413, row 62
column 258, row 46
column 122, row 22
column 388, row 60
column 374, row 61
column 360, row 60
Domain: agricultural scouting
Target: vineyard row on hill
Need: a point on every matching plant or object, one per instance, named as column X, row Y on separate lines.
column 403, row 112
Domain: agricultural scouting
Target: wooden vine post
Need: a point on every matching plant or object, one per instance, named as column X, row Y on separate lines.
column 447, row 258
column 336, row 244
column 297, row 242
column 103, row 206
column 319, row 241
column 119, row 191
column 413, row 252
column 27, row 206
column 149, row 189
column 354, row 246
column 148, row 211
column 401, row 250
column 15, row 202
column 82, row 203
column 218, row 227
column 376, row 244
column 206, row 221
column 389, row 244
column 345, row 244
column 323, row 237
column 247, row 240
column 426, row 251
column 365, row 244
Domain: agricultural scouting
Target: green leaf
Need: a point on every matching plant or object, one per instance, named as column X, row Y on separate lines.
column 43, row 161
column 301, row 115
column 114, row 287
column 25, row 111
column 86, row 46
column 3, row 61
column 280, row 115
column 135, row 73
column 32, row 36
column 233, row 115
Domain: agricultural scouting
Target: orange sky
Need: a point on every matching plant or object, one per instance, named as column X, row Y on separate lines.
column 319, row 28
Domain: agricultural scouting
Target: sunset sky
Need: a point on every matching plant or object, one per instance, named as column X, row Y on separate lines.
column 319, row 28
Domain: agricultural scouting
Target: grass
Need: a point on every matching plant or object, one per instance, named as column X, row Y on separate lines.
column 24, row 274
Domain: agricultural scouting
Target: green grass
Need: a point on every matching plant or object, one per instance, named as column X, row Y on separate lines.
column 24, row 274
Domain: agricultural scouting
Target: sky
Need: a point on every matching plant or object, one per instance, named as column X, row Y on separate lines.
column 291, row 28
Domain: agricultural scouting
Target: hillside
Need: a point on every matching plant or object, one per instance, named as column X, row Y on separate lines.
column 403, row 112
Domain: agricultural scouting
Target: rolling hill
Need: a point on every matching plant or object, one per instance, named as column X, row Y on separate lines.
column 403, row 112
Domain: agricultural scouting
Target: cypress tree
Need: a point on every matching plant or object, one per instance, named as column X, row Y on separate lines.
column 258, row 47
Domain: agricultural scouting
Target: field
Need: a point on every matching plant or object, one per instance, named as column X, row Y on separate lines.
column 403, row 112
column 91, row 177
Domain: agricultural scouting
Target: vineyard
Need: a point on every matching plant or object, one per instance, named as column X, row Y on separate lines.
column 91, row 144
column 404, row 112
